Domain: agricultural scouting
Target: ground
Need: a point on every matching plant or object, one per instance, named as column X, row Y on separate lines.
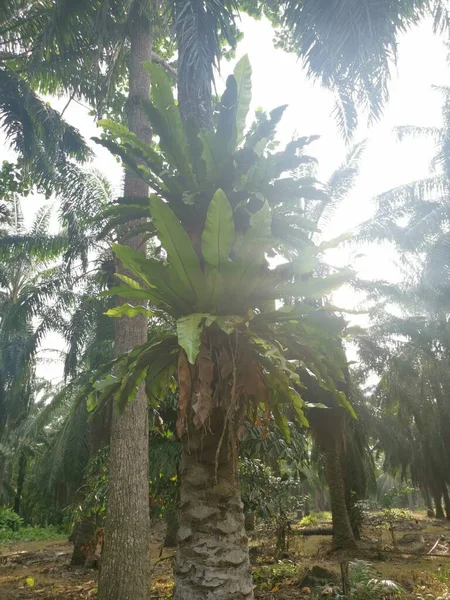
column 40, row 569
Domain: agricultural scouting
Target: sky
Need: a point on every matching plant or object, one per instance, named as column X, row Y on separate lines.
column 279, row 78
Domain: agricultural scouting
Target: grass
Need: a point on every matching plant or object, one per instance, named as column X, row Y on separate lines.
column 315, row 518
column 30, row 534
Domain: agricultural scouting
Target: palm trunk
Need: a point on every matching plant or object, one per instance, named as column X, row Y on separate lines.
column 342, row 531
column 2, row 476
column 427, row 499
column 212, row 559
column 437, row 497
column 171, row 518
column 83, row 534
column 194, row 92
column 20, row 482
column 125, row 568
column 446, row 501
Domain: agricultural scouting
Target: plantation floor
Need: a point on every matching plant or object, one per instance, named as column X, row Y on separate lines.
column 40, row 569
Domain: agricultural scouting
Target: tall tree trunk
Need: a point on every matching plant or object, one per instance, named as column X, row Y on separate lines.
column 437, row 497
column 2, row 476
column 20, row 481
column 171, row 519
column 342, row 531
column 125, row 567
column 194, row 91
column 428, row 502
column 212, row 559
column 83, row 534
column 446, row 501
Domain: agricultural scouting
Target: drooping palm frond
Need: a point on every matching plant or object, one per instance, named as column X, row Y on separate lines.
column 200, row 25
column 437, row 267
column 35, row 130
column 338, row 186
column 350, row 45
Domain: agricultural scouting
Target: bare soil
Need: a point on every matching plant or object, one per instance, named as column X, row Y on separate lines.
column 41, row 570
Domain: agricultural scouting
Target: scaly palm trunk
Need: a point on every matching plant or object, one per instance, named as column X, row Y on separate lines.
column 20, row 482
column 125, row 566
column 342, row 531
column 83, row 534
column 212, row 559
column 428, row 502
column 446, row 501
column 437, row 497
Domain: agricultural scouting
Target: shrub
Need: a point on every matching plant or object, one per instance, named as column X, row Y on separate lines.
column 30, row 534
column 309, row 521
column 9, row 520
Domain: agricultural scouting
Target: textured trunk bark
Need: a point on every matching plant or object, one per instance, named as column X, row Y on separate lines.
column 428, row 502
column 171, row 518
column 125, row 568
column 194, row 92
column 249, row 521
column 83, row 534
column 446, row 501
column 2, row 477
column 212, row 560
column 342, row 531
column 437, row 497
column 20, row 482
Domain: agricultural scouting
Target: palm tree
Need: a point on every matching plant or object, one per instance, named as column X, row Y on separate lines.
column 226, row 350
column 410, row 353
column 48, row 38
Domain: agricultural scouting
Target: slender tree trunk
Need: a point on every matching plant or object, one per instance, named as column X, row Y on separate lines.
column 83, row 534
column 249, row 521
column 171, row 518
column 437, row 497
column 2, row 476
column 20, row 482
column 428, row 502
column 446, row 501
column 194, row 93
column 342, row 531
column 212, row 560
column 125, row 567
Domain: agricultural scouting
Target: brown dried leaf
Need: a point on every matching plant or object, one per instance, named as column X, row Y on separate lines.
column 225, row 364
column 203, row 392
column 184, row 394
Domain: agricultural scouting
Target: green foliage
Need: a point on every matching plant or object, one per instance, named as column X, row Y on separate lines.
column 217, row 210
column 309, row 521
column 272, row 498
column 397, row 495
column 366, row 585
column 31, row 534
column 9, row 520
column 394, row 515
column 266, row 576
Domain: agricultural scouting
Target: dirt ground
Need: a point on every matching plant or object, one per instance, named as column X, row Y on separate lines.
column 41, row 570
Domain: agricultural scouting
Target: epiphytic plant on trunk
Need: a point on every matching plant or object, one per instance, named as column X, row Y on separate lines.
column 220, row 207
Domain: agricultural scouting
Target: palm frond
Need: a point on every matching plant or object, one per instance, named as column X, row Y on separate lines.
column 35, row 130
column 200, row 25
column 349, row 45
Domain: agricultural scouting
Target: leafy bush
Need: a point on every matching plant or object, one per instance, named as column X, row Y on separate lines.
column 365, row 584
column 394, row 515
column 9, row 520
column 309, row 521
column 397, row 496
column 267, row 575
column 30, row 534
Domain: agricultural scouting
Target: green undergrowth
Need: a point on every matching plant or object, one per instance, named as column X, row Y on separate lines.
column 30, row 534
column 266, row 576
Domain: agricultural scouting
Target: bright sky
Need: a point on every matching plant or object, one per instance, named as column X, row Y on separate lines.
column 278, row 78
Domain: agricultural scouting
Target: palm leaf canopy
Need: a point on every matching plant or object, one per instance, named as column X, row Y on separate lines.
column 350, row 46
column 222, row 203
